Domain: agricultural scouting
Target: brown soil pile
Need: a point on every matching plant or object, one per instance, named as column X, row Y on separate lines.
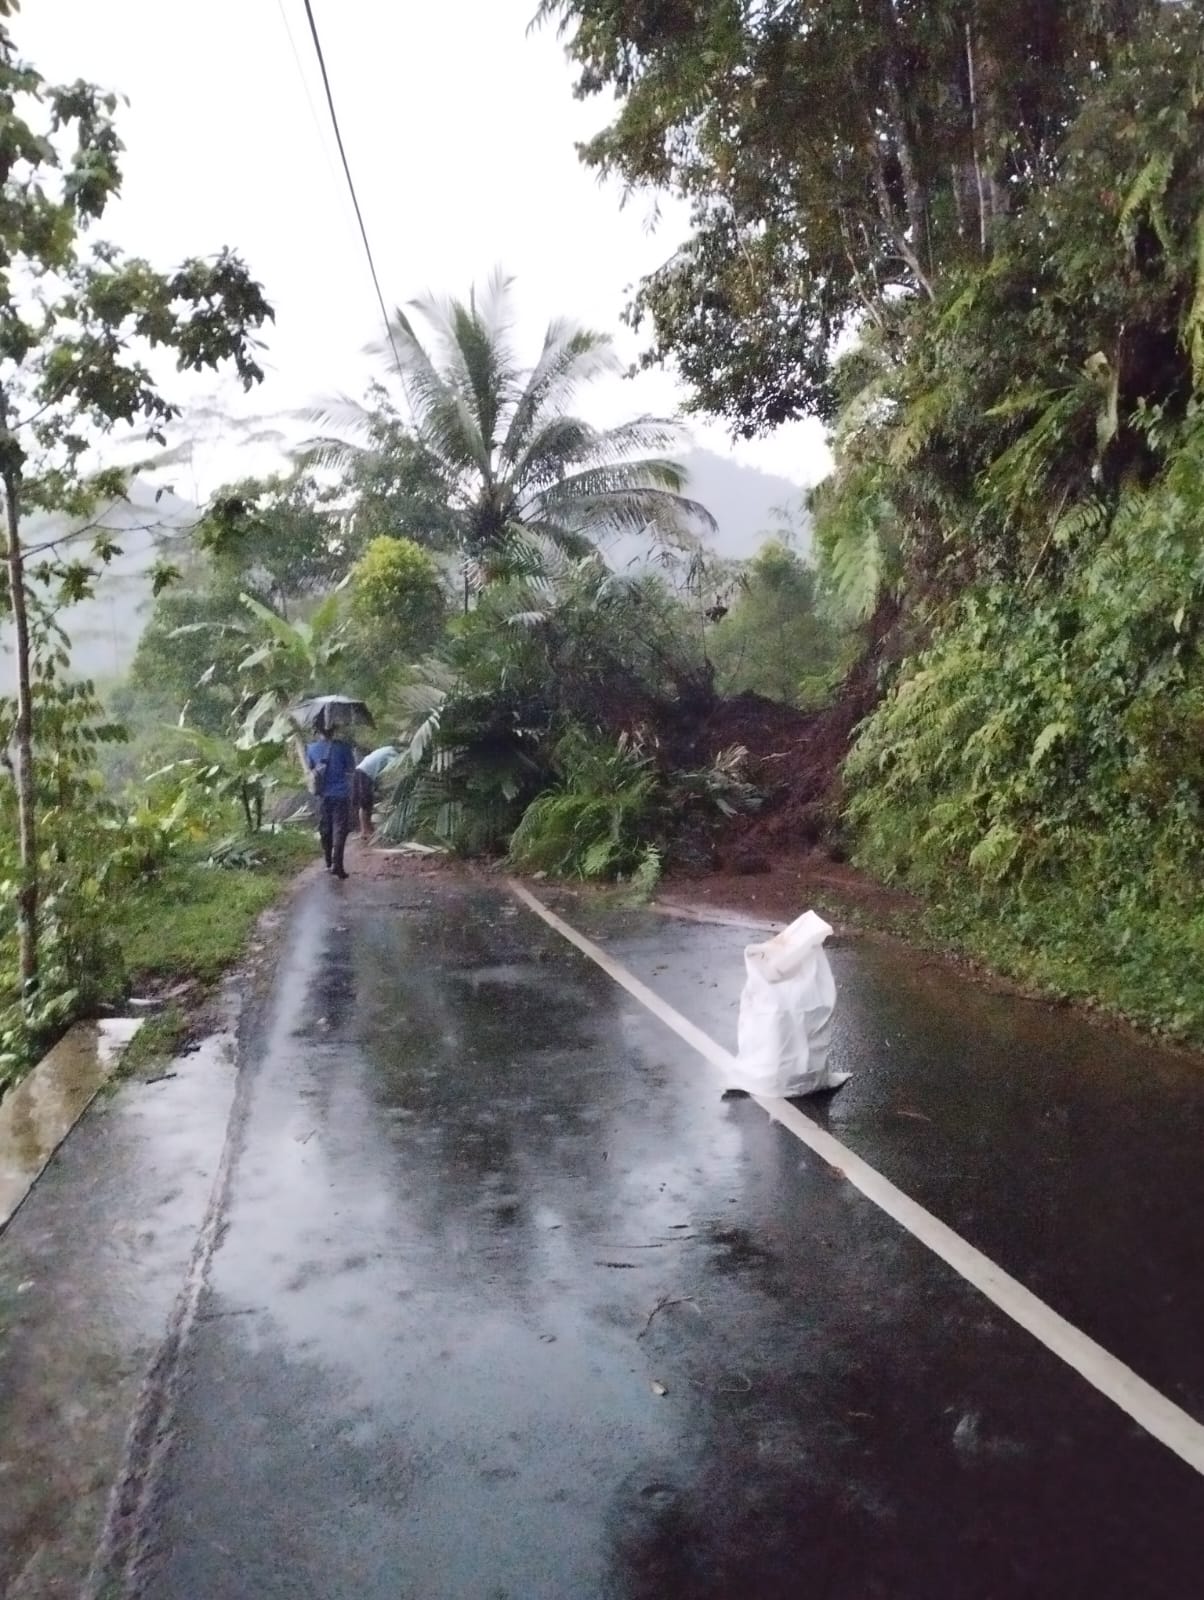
column 794, row 881
column 787, row 854
column 795, row 759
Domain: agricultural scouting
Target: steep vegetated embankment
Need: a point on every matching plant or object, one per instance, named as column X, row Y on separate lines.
column 1005, row 205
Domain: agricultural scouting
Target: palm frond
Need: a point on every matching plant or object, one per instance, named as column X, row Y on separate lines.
column 329, row 453
column 540, row 553
column 444, row 417
column 488, row 308
column 560, row 444
column 565, row 443
column 625, row 498
column 344, row 430
column 489, row 372
column 571, row 358
column 424, row 736
column 338, row 415
column 476, row 364
column 618, row 477
column 527, row 619
column 483, row 342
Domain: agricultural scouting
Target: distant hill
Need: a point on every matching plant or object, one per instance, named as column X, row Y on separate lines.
column 105, row 630
column 744, row 501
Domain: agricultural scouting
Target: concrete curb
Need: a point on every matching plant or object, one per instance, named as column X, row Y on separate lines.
column 37, row 1115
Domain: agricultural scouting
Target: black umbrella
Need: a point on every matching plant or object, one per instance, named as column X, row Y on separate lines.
column 322, row 712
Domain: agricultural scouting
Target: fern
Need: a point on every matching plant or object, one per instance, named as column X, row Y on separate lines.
column 644, row 880
column 856, row 566
column 1193, row 327
column 594, row 823
column 1045, row 741
column 1145, row 196
column 1072, row 525
column 996, row 852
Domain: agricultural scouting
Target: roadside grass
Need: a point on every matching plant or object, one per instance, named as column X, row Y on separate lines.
column 193, row 920
column 189, row 924
column 158, row 1039
column 1143, row 965
column 1142, row 968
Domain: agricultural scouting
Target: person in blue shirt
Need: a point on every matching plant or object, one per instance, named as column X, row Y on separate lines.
column 332, row 763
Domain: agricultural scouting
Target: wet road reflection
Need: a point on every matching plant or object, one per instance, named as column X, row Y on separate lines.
column 90, row 1268
column 509, row 1303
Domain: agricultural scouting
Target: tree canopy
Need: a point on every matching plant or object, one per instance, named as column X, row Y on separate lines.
column 516, row 469
column 837, row 154
column 79, row 321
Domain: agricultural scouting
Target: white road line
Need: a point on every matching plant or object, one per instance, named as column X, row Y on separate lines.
column 1162, row 1418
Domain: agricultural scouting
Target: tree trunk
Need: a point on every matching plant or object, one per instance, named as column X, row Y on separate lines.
column 917, row 205
column 985, row 193
column 989, row 120
column 27, row 840
column 916, row 223
column 895, row 228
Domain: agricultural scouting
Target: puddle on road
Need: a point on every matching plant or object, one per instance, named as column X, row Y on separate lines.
column 40, row 1112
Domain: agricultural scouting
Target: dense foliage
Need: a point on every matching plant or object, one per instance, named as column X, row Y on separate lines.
column 779, row 636
column 467, row 602
column 459, row 590
column 572, row 682
column 1034, row 462
column 79, row 323
column 970, row 235
column 836, row 153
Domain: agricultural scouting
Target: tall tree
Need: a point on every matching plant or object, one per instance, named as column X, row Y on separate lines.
column 838, row 154
column 516, row 468
column 78, row 321
column 278, row 537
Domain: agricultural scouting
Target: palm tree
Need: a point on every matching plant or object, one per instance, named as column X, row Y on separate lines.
column 519, row 472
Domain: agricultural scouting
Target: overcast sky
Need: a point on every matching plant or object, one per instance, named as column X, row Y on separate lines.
column 460, row 129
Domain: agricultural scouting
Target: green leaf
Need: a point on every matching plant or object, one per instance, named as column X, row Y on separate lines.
column 163, row 575
column 1045, row 741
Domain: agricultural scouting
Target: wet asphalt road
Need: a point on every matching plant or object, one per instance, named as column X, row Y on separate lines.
column 429, row 1359
column 500, row 1299
column 90, row 1271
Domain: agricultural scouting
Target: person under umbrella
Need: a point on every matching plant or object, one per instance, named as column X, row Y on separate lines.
column 331, row 762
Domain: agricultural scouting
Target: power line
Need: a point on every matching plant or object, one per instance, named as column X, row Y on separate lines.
column 359, row 215
column 309, row 99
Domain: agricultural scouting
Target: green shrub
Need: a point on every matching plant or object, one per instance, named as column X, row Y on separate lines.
column 599, row 819
column 396, row 595
column 1039, row 769
column 777, row 640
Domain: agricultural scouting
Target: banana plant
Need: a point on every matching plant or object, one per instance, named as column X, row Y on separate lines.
column 218, row 770
column 282, row 662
